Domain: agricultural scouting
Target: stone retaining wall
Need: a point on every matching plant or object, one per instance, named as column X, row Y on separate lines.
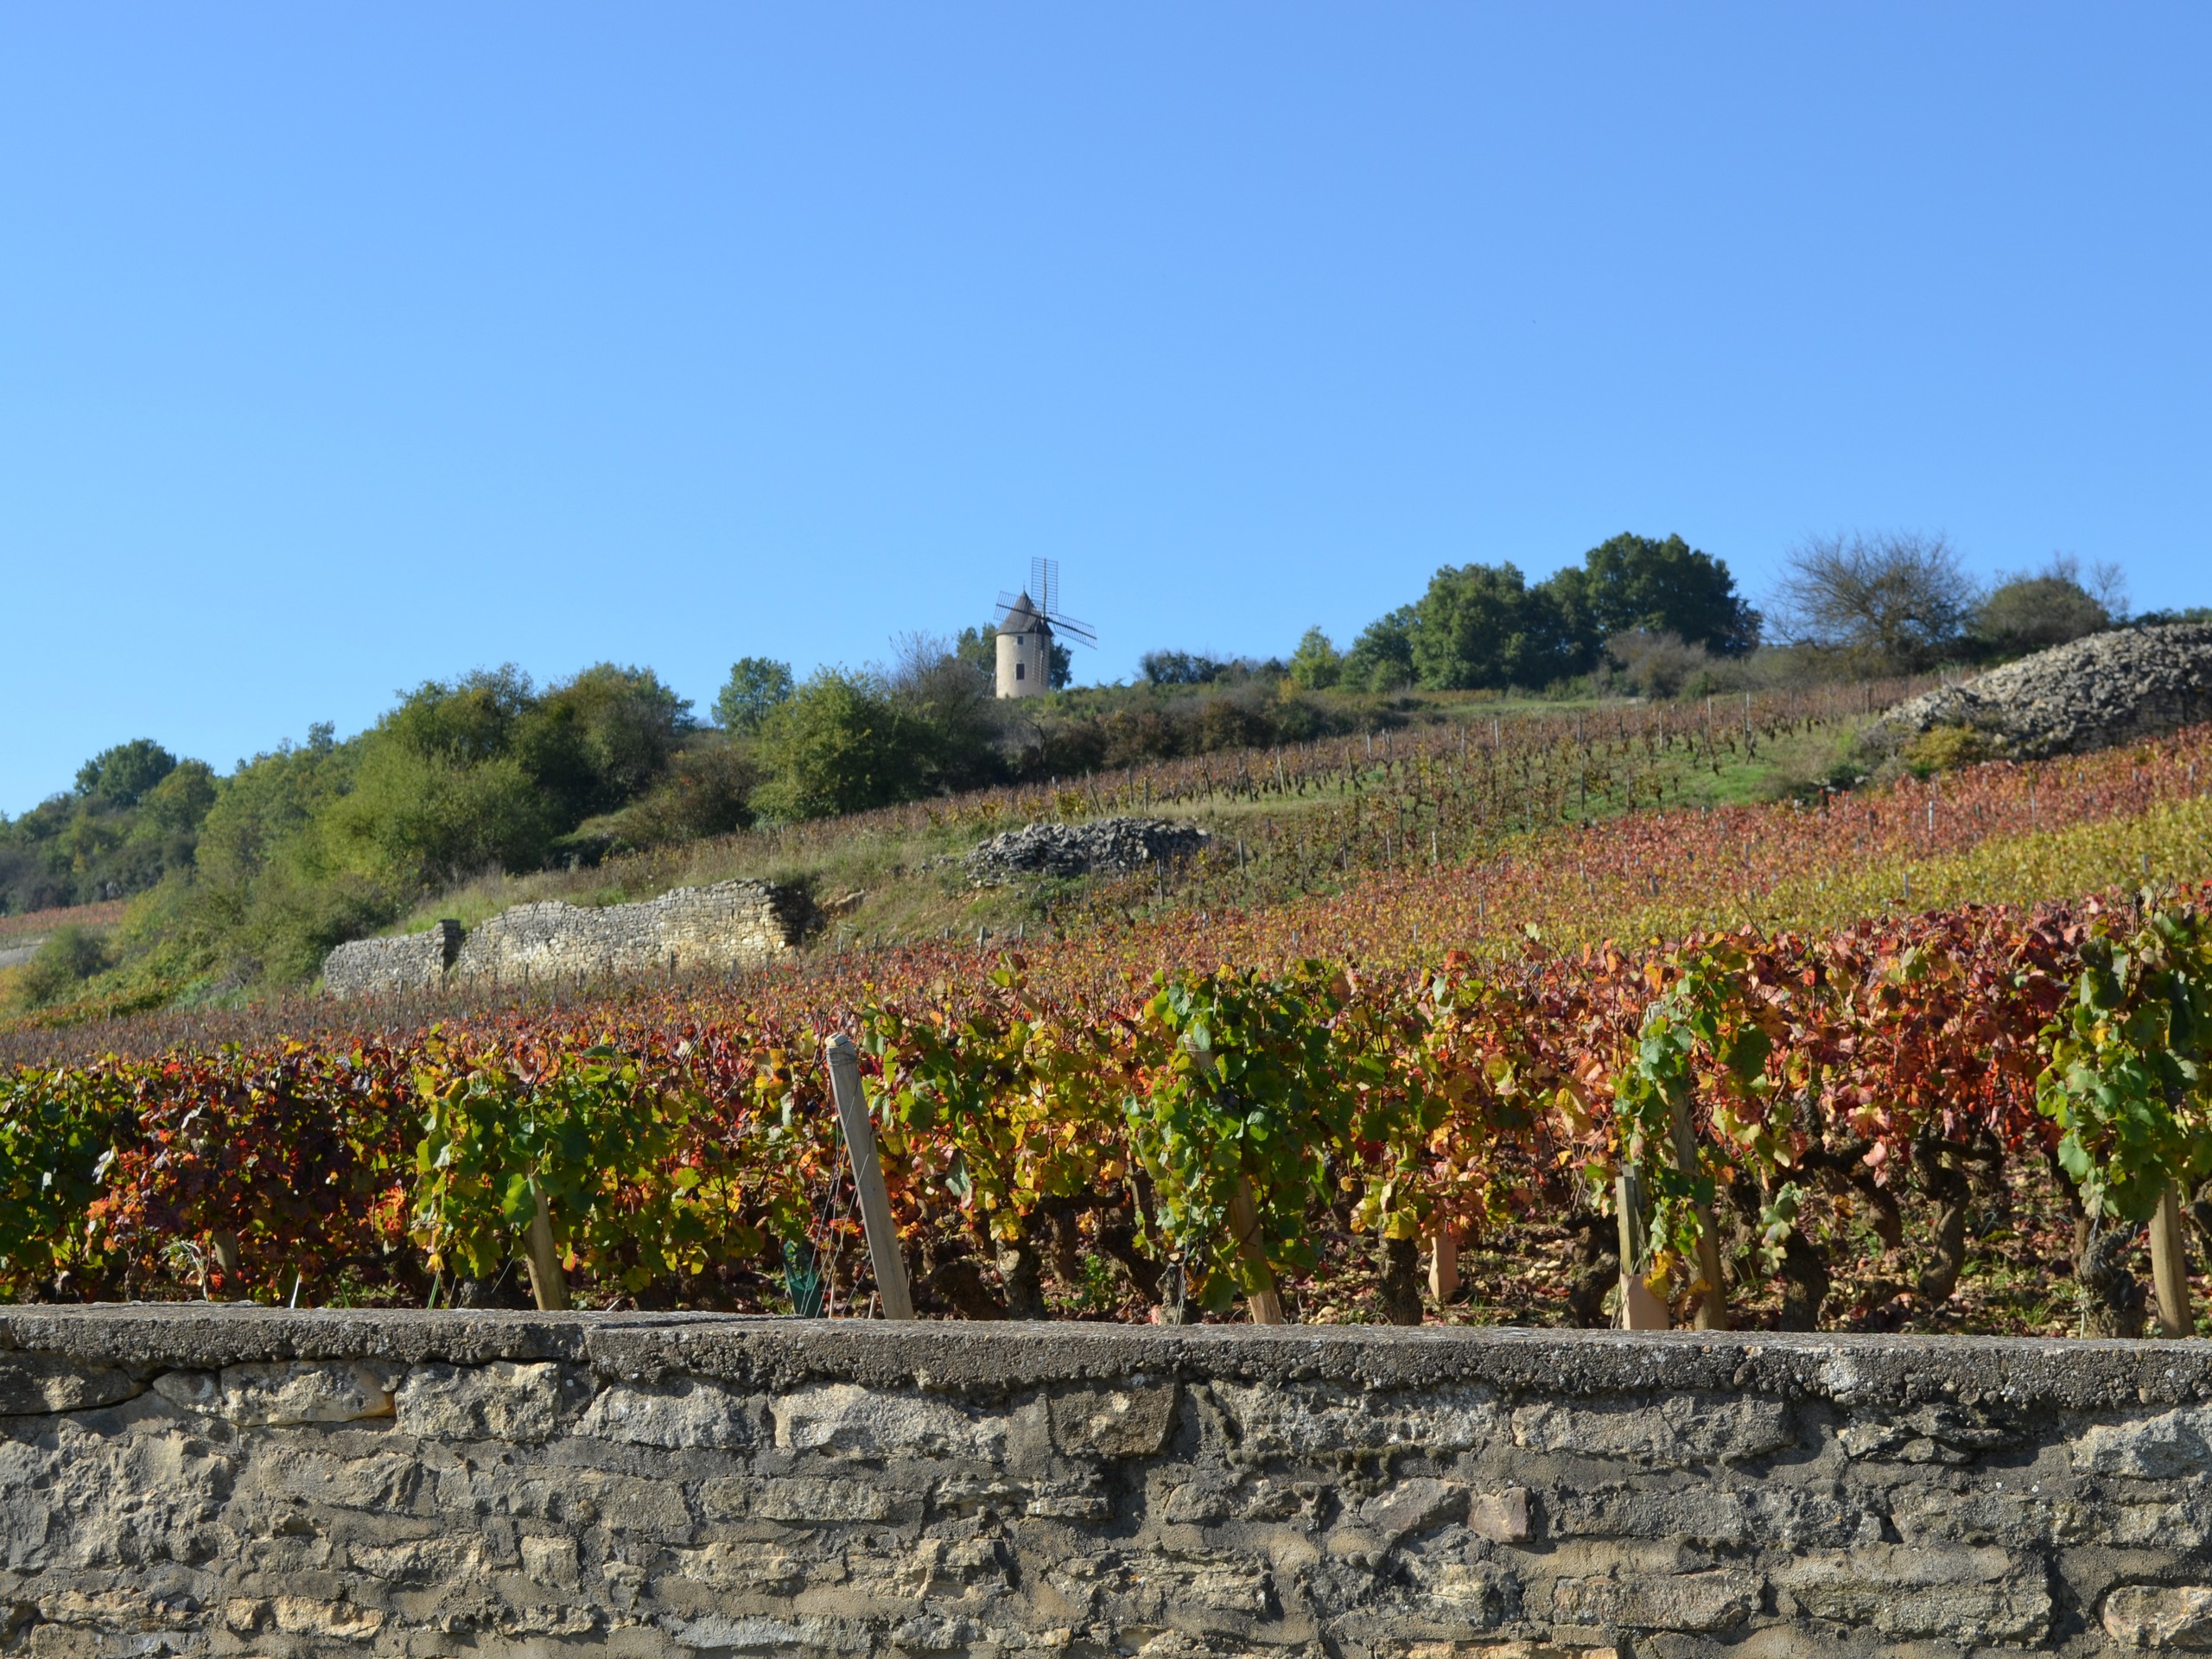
column 413, row 962
column 262, row 1482
column 716, row 929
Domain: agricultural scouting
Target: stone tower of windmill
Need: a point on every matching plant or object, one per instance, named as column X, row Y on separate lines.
column 1027, row 629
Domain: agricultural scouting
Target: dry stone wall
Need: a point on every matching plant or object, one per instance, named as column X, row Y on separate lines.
column 413, row 962
column 2109, row 687
column 239, row 1481
column 692, row 930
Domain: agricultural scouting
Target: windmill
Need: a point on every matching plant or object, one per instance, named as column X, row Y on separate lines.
column 1026, row 628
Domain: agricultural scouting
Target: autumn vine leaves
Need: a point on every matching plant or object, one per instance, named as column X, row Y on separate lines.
column 1228, row 1138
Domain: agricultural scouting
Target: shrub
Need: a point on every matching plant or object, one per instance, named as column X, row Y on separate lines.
column 1946, row 748
column 70, row 956
column 839, row 745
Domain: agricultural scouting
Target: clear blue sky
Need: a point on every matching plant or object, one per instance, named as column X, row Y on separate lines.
column 346, row 346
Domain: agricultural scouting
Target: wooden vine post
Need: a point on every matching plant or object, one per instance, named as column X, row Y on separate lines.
column 1641, row 1310
column 548, row 1284
column 883, row 1252
column 2169, row 1267
column 1244, row 1224
column 1443, row 1264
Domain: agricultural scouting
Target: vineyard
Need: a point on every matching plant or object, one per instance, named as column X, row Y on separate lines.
column 1291, row 820
column 1866, row 1073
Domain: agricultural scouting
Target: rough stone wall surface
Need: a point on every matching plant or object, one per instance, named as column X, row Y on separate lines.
column 2107, row 689
column 413, row 962
column 730, row 925
column 259, row 1482
column 1104, row 846
column 692, row 930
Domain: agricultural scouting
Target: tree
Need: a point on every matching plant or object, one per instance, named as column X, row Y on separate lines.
column 951, row 702
column 756, row 686
column 838, row 744
column 1482, row 625
column 1633, row 584
column 116, row 777
column 2032, row 612
column 1899, row 600
column 1316, row 665
column 1180, row 667
column 1382, row 659
column 443, row 788
column 601, row 739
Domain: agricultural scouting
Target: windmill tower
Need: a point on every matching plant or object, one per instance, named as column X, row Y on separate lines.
column 1027, row 629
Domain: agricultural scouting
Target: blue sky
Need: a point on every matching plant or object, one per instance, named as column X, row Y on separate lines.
column 342, row 347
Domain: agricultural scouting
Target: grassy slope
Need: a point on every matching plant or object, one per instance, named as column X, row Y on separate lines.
column 904, row 867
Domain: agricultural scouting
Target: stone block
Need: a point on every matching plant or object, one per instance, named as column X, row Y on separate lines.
column 550, row 1561
column 2177, row 1616
column 684, row 1412
column 1971, row 1594
column 1676, row 1429
column 747, row 1570
column 815, row 1500
column 1719, row 1599
column 1406, row 1507
column 284, row 1392
column 1098, row 1422
column 843, row 1418
column 339, row 1620
column 2160, row 1447
column 765, row 1633
column 627, row 1503
column 43, row 1382
column 501, row 1400
column 447, row 1561
column 1277, row 1422
column 1944, row 1434
column 1501, row 1517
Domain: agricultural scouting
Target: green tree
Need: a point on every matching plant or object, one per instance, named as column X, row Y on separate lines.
column 1482, row 625
column 439, row 790
column 601, row 739
column 1637, row 583
column 755, row 688
column 1316, row 665
column 839, row 743
column 180, row 801
column 116, row 777
column 2035, row 611
column 1382, row 659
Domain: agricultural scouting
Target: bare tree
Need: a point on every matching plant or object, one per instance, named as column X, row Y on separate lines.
column 1900, row 598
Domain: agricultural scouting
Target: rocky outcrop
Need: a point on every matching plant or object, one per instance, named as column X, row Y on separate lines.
column 2107, row 689
column 1103, row 846
column 716, row 929
column 214, row 1481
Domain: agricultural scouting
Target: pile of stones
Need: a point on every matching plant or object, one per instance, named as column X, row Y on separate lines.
column 1103, row 847
column 2109, row 687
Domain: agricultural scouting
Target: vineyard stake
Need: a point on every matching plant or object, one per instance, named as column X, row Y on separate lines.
column 2169, row 1267
column 867, row 1175
column 1641, row 1310
column 1443, row 1264
column 1245, row 1223
column 547, row 1284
